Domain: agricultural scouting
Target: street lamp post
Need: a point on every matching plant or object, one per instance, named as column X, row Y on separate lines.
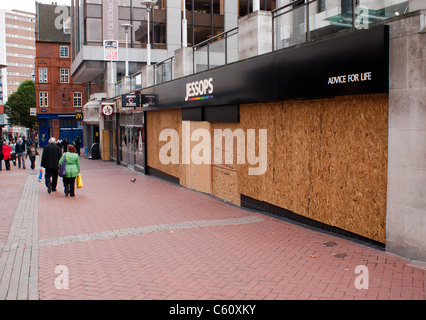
column 148, row 4
column 126, row 27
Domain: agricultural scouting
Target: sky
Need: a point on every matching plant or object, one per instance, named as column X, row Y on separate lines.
column 28, row 5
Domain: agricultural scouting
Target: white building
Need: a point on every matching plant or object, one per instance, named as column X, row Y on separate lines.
column 17, row 48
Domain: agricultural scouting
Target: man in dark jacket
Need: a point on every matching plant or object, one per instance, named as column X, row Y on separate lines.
column 20, row 152
column 50, row 161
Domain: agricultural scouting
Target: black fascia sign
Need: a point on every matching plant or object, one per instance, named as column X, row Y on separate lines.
column 354, row 63
column 148, row 99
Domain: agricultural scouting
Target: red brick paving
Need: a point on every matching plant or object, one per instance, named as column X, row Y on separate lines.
column 270, row 259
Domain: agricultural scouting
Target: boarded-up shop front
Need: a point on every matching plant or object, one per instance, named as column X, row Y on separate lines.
column 308, row 128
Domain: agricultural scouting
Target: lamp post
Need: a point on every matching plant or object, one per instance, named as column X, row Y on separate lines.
column 148, row 4
column 126, row 27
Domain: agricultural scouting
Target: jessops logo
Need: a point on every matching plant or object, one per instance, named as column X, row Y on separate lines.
column 199, row 90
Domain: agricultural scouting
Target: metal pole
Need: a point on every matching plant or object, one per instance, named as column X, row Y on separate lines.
column 127, row 54
column 184, row 26
column 148, row 45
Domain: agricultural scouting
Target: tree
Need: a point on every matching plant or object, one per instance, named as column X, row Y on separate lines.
column 17, row 107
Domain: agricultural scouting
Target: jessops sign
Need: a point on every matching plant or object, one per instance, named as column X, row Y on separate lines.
column 199, row 90
column 357, row 63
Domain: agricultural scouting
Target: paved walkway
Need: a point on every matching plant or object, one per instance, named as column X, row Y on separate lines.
column 150, row 239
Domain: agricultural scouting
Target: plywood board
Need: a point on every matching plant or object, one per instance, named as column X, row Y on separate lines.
column 156, row 122
column 198, row 175
column 327, row 160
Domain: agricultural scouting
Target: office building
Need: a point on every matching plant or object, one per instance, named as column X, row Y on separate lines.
column 17, row 53
column 17, row 48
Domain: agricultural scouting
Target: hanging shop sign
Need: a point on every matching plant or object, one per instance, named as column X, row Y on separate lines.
column 130, row 100
column 356, row 63
column 107, row 109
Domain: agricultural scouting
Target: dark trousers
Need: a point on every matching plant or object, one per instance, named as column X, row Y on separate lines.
column 69, row 186
column 51, row 178
column 7, row 164
column 21, row 158
column 32, row 159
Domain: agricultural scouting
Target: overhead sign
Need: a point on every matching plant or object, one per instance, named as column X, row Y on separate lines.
column 130, row 100
column 111, row 50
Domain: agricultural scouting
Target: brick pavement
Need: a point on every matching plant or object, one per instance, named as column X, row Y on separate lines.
column 154, row 240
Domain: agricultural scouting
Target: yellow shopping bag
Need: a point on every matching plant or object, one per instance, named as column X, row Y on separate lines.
column 79, row 181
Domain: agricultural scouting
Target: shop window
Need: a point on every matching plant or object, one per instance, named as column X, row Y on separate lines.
column 67, row 123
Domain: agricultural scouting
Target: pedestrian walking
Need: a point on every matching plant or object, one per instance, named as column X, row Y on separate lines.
column 13, row 154
column 49, row 161
column 20, row 152
column 77, row 144
column 32, row 153
column 6, row 150
column 1, row 153
column 64, row 144
column 72, row 167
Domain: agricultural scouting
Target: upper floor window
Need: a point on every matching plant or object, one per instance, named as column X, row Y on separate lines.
column 67, row 26
column 44, row 99
column 65, row 75
column 42, row 75
column 64, row 52
column 77, row 98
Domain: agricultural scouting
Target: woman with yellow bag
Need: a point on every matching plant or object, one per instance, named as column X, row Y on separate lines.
column 72, row 170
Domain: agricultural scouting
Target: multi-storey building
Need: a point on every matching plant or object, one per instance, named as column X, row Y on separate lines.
column 59, row 100
column 96, row 21
column 17, row 52
column 17, row 48
column 325, row 100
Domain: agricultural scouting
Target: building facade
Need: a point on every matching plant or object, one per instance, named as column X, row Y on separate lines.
column 59, row 100
column 17, row 53
column 95, row 21
column 315, row 119
column 17, row 48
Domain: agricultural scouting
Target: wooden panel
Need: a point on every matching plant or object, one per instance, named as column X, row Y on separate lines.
column 225, row 175
column 327, row 160
column 105, row 145
column 157, row 121
column 198, row 176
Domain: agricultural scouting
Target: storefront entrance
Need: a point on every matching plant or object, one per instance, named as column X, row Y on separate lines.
column 132, row 141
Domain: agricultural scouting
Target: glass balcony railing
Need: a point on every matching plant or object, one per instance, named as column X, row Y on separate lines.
column 303, row 20
column 164, row 70
column 216, row 51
